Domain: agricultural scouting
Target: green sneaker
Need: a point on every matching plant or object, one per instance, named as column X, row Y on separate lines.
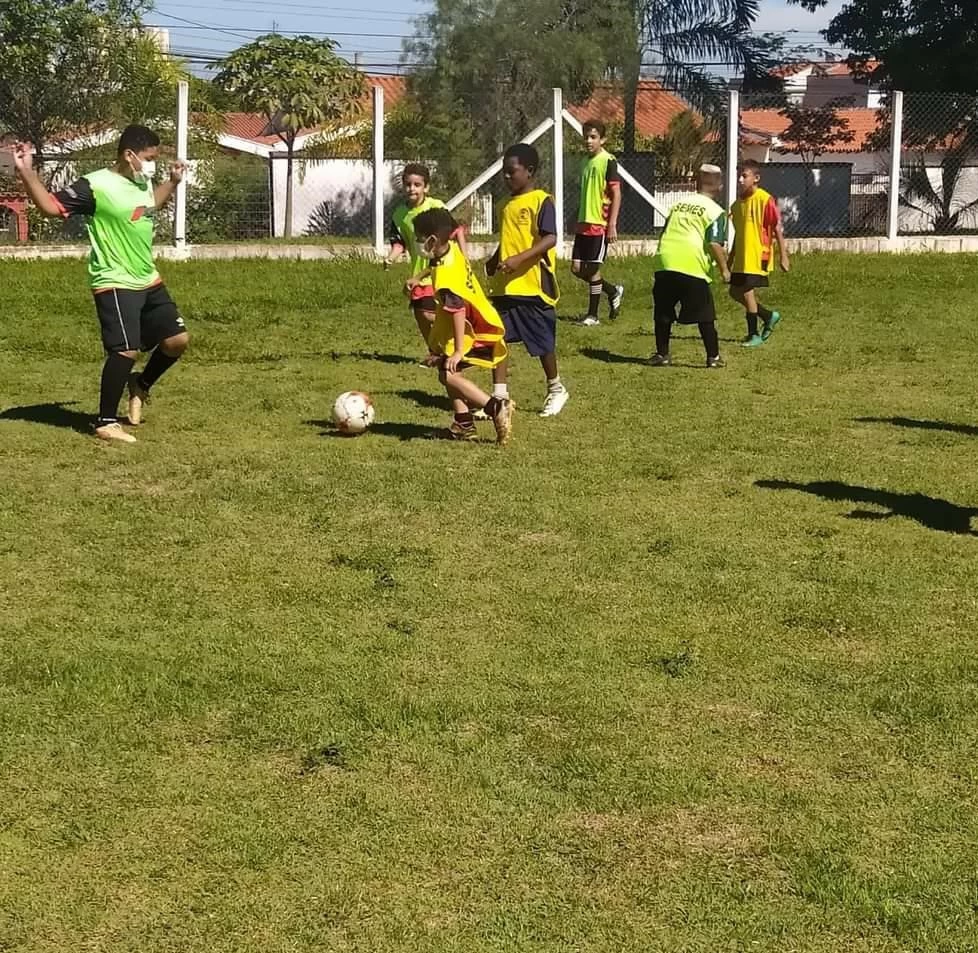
column 752, row 340
column 771, row 324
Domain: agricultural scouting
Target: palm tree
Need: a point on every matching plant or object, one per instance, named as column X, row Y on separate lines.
column 680, row 40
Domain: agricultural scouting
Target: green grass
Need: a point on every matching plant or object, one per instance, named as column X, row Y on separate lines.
column 265, row 689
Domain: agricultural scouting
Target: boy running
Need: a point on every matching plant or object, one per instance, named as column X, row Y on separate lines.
column 134, row 309
column 756, row 219
column 524, row 283
column 415, row 180
column 597, row 222
column 467, row 331
column 695, row 232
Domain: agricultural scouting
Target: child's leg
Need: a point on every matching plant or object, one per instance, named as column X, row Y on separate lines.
column 665, row 297
column 425, row 320
column 747, row 298
column 500, row 380
column 711, row 340
column 465, row 393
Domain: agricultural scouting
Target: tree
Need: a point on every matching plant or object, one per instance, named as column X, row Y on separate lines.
column 70, row 66
column 298, row 83
column 914, row 45
column 678, row 40
column 814, row 130
column 684, row 148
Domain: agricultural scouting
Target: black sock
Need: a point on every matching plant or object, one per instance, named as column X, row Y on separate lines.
column 157, row 365
column 609, row 289
column 763, row 313
column 751, row 324
column 711, row 340
column 663, row 331
column 492, row 408
column 115, row 374
column 465, row 420
column 594, row 302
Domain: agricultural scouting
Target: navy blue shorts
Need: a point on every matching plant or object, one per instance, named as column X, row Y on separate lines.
column 531, row 321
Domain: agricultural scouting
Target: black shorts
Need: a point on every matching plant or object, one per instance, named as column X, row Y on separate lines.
column 748, row 282
column 137, row 320
column 693, row 295
column 590, row 248
column 426, row 304
column 530, row 320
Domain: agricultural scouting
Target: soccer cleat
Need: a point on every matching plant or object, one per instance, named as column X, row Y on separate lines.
column 555, row 401
column 660, row 360
column 138, row 398
column 752, row 340
column 615, row 302
column 503, row 422
column 462, row 432
column 771, row 323
column 114, row 432
column 716, row 362
column 588, row 322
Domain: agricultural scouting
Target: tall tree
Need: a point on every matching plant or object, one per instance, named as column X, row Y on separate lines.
column 684, row 43
column 77, row 65
column 918, row 45
column 297, row 83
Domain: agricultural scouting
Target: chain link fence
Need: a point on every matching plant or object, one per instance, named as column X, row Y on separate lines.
column 825, row 151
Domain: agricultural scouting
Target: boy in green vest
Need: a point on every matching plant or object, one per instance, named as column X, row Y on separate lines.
column 597, row 222
column 694, row 237
column 134, row 309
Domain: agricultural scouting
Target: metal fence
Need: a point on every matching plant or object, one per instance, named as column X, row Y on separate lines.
column 851, row 164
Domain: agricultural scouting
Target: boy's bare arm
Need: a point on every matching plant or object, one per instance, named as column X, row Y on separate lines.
column 38, row 194
column 782, row 247
column 613, row 214
column 533, row 254
column 719, row 254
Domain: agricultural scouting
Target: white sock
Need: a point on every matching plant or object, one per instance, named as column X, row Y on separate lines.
column 500, row 391
column 555, row 384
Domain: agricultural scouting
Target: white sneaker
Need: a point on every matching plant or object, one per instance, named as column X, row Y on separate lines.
column 114, row 432
column 588, row 322
column 479, row 414
column 615, row 302
column 555, row 401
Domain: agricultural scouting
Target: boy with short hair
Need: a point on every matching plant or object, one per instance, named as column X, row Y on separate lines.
column 467, row 332
column 695, row 232
column 134, row 309
column 415, row 181
column 597, row 222
column 523, row 273
column 756, row 220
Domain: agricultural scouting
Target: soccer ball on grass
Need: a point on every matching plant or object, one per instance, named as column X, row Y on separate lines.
column 353, row 412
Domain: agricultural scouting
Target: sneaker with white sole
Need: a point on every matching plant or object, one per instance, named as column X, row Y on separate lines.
column 660, row 360
column 588, row 322
column 555, row 401
column 479, row 414
column 114, row 432
column 615, row 302
column 138, row 399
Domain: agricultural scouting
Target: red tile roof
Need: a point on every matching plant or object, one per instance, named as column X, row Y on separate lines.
column 760, row 125
column 654, row 107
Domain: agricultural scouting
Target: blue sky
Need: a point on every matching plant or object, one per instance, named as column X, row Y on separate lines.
column 373, row 28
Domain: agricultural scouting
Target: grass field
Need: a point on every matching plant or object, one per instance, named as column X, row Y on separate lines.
column 709, row 684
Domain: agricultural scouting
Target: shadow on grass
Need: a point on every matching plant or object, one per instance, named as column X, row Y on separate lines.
column 609, row 357
column 373, row 356
column 401, row 431
column 52, row 415
column 968, row 430
column 930, row 511
column 424, row 399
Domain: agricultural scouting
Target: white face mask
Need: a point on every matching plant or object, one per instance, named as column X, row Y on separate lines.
column 146, row 170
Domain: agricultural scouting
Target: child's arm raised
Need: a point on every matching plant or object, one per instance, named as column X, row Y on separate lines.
column 39, row 195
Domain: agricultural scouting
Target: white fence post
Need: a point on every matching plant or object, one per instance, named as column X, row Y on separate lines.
column 380, row 172
column 896, row 150
column 558, row 119
column 180, row 199
column 733, row 147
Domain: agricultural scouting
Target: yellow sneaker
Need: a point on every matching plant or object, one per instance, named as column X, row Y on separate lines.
column 114, row 433
column 459, row 431
column 138, row 398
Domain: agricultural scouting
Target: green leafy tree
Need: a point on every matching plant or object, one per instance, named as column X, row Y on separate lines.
column 814, row 130
column 297, row 83
column 682, row 43
column 686, row 145
column 70, row 66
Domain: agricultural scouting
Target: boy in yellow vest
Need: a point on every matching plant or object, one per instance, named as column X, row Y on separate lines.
column 467, row 332
column 597, row 222
column 695, row 233
column 522, row 272
column 415, row 181
column 756, row 220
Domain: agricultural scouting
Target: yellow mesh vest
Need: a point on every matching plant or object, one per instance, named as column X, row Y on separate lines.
column 518, row 233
